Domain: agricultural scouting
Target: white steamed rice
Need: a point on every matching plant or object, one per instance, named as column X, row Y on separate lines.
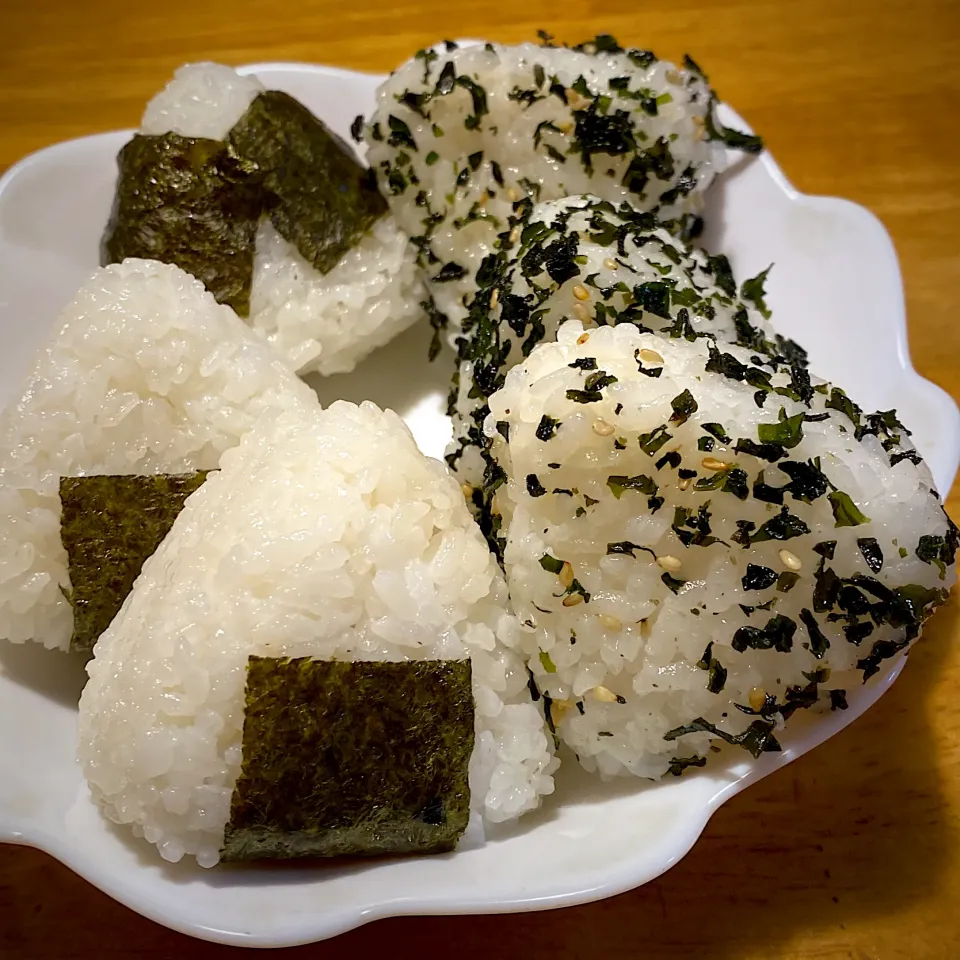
column 326, row 535
column 322, row 323
column 645, row 499
column 144, row 373
column 459, row 135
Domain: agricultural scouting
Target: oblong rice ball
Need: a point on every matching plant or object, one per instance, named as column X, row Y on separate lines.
column 703, row 541
column 460, row 135
column 584, row 257
column 321, row 322
column 144, row 373
column 323, row 535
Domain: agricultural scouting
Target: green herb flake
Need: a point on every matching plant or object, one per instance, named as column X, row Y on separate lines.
column 546, row 662
column 641, row 482
column 347, row 759
column 752, row 290
column 109, row 526
column 547, row 428
column 683, row 406
column 551, row 564
column 845, row 511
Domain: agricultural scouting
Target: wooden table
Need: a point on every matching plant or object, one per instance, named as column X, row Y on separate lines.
column 852, row 851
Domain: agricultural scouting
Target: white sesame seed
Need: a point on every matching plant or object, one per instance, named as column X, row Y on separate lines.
column 712, row 463
column 790, row 560
column 610, row 623
column 466, row 490
column 514, row 194
column 671, row 564
column 684, row 483
column 494, row 297
column 672, row 77
column 566, row 127
column 514, row 234
column 583, row 338
column 572, row 599
column 603, row 694
column 565, row 576
column 610, row 263
column 651, row 356
column 603, row 429
column 698, row 121
column 582, row 312
column 558, row 710
column 581, row 292
column 757, row 698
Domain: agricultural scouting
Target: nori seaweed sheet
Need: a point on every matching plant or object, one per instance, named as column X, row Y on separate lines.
column 343, row 758
column 191, row 202
column 323, row 199
column 109, row 526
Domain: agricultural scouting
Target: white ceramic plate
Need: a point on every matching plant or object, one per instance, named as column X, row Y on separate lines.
column 836, row 288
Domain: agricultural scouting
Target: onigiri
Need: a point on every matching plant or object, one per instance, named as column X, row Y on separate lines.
column 144, row 373
column 325, row 536
column 703, row 540
column 461, row 134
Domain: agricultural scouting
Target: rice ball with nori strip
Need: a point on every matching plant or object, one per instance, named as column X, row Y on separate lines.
column 332, row 277
column 144, row 373
column 603, row 264
column 460, row 135
column 704, row 540
column 326, row 536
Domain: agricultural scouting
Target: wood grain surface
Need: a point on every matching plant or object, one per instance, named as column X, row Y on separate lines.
column 851, row 851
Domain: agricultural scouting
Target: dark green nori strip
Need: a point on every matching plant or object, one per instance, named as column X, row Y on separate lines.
column 671, row 459
column 807, row 481
column 547, row 428
column 838, row 699
column 449, row 271
column 783, row 526
column 324, row 201
column 627, row 548
column 679, row 764
column 534, row 487
column 787, row 581
column 672, row 582
column 717, row 673
column 109, row 526
column 762, row 451
column 757, row 738
column 825, row 548
column 642, row 483
column 683, row 406
column 776, row 635
column 819, row 644
column 503, row 428
column 716, row 430
column 748, row 142
column 584, row 363
column 872, row 553
column 352, row 759
column 651, row 442
column 551, row 564
column 190, row 202
column 752, row 290
column 845, row 511
column 758, row 577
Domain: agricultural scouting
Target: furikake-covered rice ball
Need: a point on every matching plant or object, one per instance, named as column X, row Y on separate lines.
column 460, row 135
column 603, row 264
column 703, row 540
